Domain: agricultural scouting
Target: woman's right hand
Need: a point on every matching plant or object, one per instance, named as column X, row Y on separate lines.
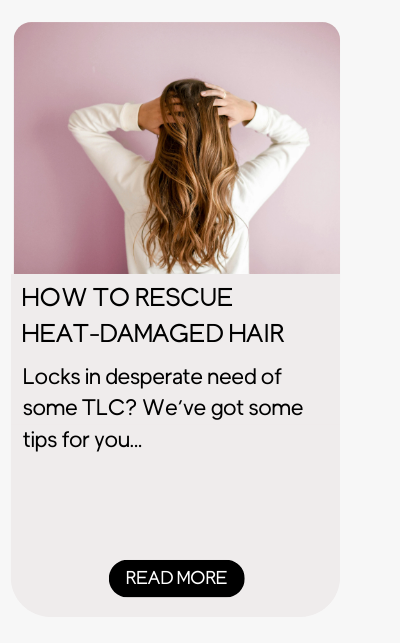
column 238, row 110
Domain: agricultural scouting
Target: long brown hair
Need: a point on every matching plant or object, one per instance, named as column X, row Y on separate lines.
column 190, row 182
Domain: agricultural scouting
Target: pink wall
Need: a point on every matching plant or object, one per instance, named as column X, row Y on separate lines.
column 66, row 218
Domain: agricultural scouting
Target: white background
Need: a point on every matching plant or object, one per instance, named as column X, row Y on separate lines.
column 366, row 606
column 260, row 490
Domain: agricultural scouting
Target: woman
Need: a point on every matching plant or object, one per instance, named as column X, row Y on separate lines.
column 188, row 211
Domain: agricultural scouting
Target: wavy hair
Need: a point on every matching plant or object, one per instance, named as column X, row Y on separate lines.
column 190, row 182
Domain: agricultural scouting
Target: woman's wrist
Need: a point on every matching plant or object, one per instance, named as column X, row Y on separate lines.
column 250, row 112
column 141, row 116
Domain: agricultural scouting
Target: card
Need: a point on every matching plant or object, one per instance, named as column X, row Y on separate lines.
column 175, row 319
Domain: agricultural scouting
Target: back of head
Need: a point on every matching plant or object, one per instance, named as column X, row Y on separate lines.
column 190, row 182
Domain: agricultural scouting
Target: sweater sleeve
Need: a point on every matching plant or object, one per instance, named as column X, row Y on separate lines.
column 122, row 169
column 260, row 177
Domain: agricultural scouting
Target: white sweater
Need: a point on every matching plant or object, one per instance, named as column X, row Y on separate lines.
column 125, row 173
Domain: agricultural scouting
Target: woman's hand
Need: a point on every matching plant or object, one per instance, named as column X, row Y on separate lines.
column 236, row 109
column 150, row 116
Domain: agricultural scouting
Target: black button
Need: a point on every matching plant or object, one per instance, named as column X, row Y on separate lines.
column 176, row 578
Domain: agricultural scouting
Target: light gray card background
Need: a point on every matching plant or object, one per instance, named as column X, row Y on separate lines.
column 262, row 491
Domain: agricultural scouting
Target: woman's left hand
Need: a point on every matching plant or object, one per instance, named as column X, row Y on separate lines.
column 150, row 116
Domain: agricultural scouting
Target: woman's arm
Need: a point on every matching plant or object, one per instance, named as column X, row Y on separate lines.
column 260, row 177
column 122, row 169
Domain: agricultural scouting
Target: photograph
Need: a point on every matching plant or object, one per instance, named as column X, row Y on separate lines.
column 176, row 148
